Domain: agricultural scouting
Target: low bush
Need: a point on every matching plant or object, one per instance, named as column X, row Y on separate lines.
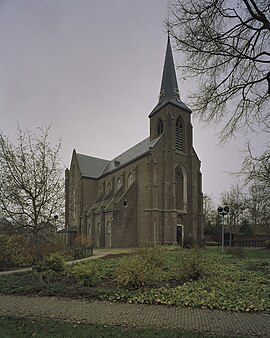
column 236, row 251
column 86, row 274
column 191, row 265
column 267, row 244
column 14, row 252
column 153, row 256
column 55, row 262
column 142, row 268
column 133, row 272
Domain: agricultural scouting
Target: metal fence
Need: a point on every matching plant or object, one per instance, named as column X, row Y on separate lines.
column 245, row 243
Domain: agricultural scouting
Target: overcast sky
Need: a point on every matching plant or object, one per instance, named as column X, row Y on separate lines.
column 92, row 69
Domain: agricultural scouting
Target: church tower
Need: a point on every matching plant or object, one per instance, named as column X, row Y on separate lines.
column 179, row 179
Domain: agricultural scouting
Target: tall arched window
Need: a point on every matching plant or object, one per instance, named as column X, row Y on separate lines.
column 180, row 187
column 159, row 127
column 118, row 184
column 179, row 137
column 74, row 202
column 108, row 227
column 109, row 187
column 130, row 180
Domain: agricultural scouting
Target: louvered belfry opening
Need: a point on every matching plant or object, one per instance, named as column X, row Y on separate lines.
column 159, row 127
column 179, row 137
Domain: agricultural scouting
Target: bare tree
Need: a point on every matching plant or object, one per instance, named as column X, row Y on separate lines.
column 209, row 215
column 234, row 199
column 258, row 208
column 227, row 49
column 31, row 183
column 256, row 169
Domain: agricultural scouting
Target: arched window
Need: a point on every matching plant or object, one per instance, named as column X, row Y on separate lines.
column 74, row 202
column 109, row 187
column 159, row 127
column 130, row 180
column 180, row 187
column 179, row 137
column 118, row 184
column 108, row 226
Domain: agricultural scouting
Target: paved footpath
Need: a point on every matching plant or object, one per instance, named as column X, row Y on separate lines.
column 225, row 323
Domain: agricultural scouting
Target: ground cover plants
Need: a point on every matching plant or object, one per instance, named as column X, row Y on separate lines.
column 202, row 278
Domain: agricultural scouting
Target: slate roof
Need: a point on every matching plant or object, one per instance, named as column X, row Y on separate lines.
column 94, row 167
column 136, row 151
column 91, row 166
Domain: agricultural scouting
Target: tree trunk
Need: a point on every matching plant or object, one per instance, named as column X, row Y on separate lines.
column 38, row 258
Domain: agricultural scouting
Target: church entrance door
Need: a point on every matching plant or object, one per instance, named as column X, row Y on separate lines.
column 180, row 234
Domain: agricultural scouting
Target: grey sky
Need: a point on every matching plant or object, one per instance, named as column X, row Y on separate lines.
column 92, row 69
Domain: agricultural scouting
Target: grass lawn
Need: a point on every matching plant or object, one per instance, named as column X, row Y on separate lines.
column 171, row 276
column 11, row 327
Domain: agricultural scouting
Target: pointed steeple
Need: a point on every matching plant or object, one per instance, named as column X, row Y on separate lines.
column 169, row 92
column 169, row 86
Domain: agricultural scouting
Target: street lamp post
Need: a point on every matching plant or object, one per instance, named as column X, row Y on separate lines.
column 223, row 211
column 55, row 217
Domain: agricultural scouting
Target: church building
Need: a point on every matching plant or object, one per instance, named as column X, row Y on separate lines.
column 151, row 193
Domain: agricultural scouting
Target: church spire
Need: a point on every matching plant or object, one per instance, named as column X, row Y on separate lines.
column 169, row 87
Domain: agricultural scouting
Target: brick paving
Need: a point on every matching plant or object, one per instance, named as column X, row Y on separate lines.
column 230, row 324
